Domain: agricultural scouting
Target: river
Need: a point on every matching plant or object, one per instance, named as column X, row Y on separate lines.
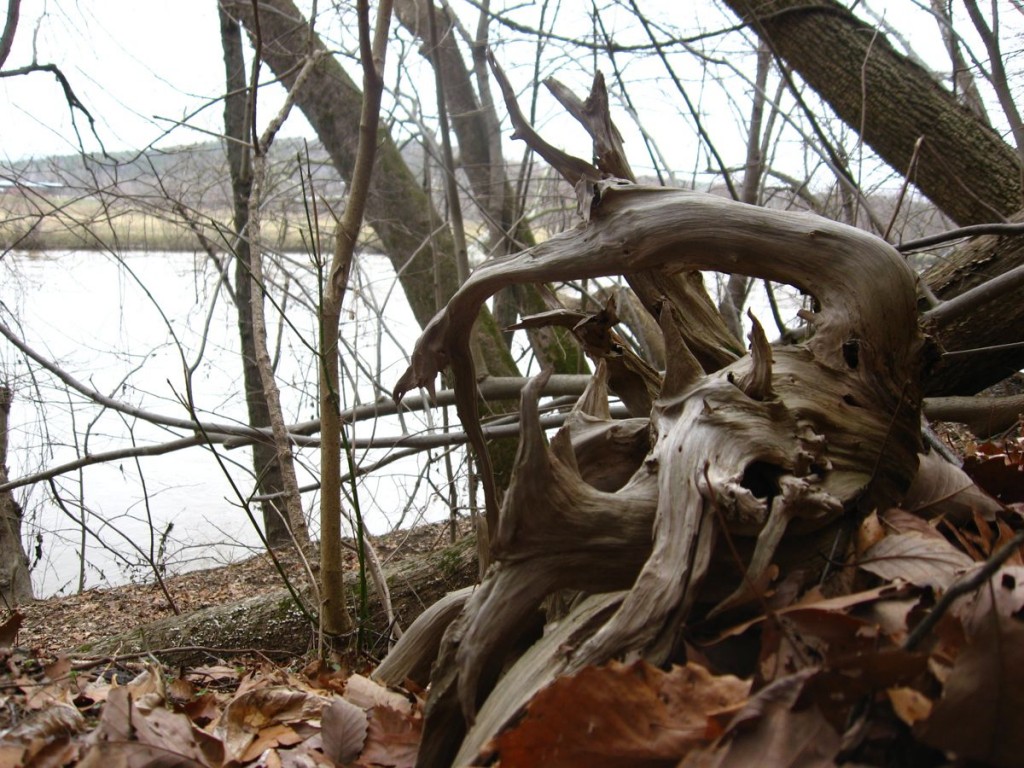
column 128, row 326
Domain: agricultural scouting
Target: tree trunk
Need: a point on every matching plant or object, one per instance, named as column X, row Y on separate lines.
column 964, row 167
column 15, row 582
column 479, row 157
column 264, row 457
column 398, row 208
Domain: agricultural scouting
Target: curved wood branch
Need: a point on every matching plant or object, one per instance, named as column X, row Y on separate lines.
column 867, row 318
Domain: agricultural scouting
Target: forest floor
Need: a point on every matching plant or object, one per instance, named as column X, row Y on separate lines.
column 848, row 678
column 58, row 625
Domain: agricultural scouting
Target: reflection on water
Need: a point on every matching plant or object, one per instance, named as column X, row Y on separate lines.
column 131, row 329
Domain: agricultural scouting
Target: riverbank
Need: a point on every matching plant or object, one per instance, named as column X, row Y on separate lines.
column 45, row 222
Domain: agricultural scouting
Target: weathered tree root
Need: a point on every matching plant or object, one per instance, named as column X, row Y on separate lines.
column 784, row 440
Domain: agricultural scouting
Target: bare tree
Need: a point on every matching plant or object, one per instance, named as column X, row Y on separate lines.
column 336, row 619
column 264, row 457
column 963, row 165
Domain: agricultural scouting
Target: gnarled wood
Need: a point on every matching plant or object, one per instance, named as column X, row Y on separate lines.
column 785, row 441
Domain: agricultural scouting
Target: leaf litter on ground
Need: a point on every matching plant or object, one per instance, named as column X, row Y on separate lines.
column 810, row 679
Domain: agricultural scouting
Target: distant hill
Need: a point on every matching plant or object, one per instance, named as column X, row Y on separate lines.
column 162, row 182
column 195, row 175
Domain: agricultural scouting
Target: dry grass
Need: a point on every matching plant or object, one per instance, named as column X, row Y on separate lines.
column 43, row 222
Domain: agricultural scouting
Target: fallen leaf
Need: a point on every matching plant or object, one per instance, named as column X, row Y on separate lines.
column 147, row 688
column 979, row 714
column 134, row 754
column 897, row 520
column 925, row 561
column 343, row 730
column 128, row 735
column 909, row 704
column 775, row 728
column 1003, row 595
column 795, row 639
column 619, row 715
column 257, row 709
column 47, row 723
column 870, row 532
column 46, row 696
column 277, row 735
column 203, row 709
column 57, row 670
column 212, row 674
column 181, row 690
column 815, row 600
column 941, row 489
column 9, row 630
column 392, row 738
column 999, row 470
column 366, row 693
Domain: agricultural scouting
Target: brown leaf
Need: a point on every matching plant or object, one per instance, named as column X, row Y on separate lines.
column 181, row 690
column 46, row 725
column 9, row 630
column 897, row 520
column 924, row 561
column 816, row 601
column 366, row 693
column 870, row 532
column 203, row 709
column 57, row 669
column 260, row 708
column 128, row 735
column 619, row 715
column 999, row 470
column 942, row 490
column 51, row 753
column 774, row 729
column 210, row 674
column 343, row 731
column 1003, row 596
column 135, row 754
column 147, row 688
column 392, row 739
column 909, row 705
column 801, row 638
column 979, row 714
column 277, row 735
column 95, row 691
column 43, row 697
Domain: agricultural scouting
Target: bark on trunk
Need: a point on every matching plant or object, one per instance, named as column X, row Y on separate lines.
column 965, row 168
column 398, row 208
column 264, row 457
column 15, row 581
column 479, row 157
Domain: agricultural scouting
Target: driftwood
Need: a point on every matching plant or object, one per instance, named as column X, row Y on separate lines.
column 786, row 442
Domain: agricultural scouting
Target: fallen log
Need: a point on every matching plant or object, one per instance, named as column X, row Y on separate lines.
column 273, row 623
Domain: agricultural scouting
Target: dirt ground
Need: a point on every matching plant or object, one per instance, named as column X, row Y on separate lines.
column 57, row 625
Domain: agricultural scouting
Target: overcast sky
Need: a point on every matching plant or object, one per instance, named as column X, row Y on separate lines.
column 143, row 67
column 137, row 66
